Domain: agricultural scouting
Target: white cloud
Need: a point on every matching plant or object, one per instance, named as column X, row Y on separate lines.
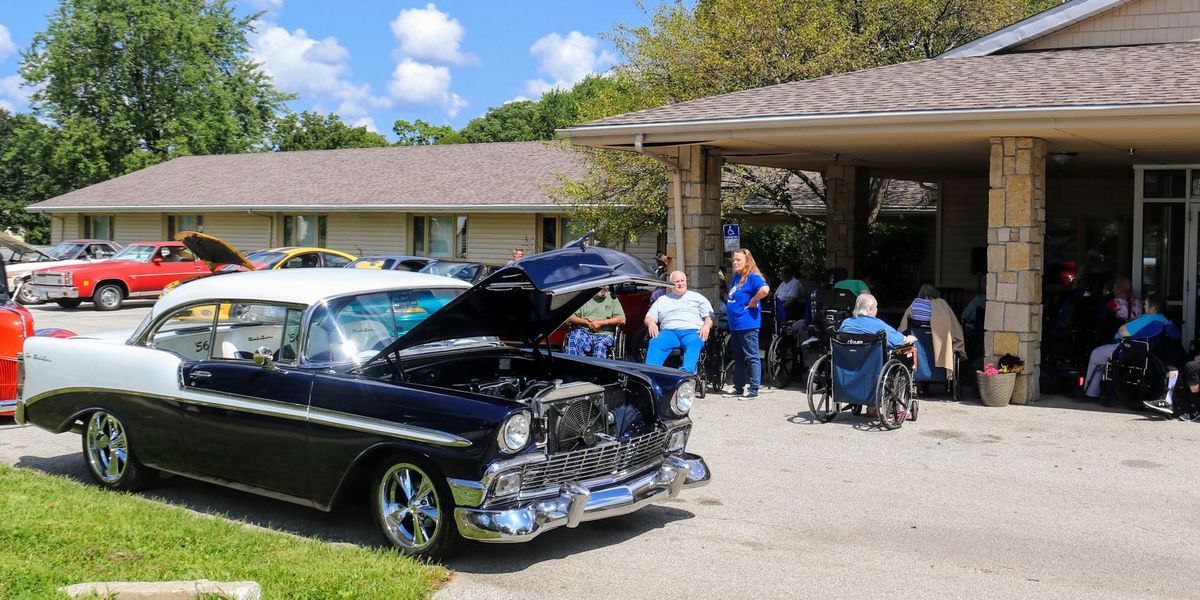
column 419, row 83
column 367, row 122
column 430, row 35
column 7, row 47
column 12, row 94
column 316, row 69
column 6, row 105
column 566, row 60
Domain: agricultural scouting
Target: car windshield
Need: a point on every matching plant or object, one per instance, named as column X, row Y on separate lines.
column 462, row 271
column 263, row 260
column 355, row 328
column 137, row 252
column 64, row 251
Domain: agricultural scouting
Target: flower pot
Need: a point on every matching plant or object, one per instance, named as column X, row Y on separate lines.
column 996, row 390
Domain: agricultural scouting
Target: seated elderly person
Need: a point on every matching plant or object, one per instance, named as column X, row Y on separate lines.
column 594, row 325
column 790, row 295
column 678, row 319
column 864, row 321
column 1183, row 395
column 1143, row 327
column 929, row 308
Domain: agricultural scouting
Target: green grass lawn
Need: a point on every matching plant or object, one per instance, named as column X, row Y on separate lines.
column 55, row 532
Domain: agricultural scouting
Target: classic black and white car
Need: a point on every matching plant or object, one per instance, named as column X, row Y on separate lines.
column 437, row 399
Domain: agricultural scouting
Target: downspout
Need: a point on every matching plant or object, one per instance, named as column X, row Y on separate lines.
column 270, row 228
column 677, row 194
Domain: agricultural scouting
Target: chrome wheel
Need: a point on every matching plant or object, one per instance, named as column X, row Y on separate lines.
column 26, row 295
column 107, row 448
column 409, row 508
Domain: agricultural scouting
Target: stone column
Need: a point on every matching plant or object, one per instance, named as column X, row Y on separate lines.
column 703, row 244
column 847, row 205
column 1016, row 234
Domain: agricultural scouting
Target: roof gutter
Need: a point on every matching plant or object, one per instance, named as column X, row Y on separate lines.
column 676, row 194
column 965, row 118
column 251, row 208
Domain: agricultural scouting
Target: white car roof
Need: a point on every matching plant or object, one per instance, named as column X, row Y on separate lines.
column 299, row 286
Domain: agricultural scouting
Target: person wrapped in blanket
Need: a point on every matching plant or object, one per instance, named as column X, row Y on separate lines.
column 929, row 308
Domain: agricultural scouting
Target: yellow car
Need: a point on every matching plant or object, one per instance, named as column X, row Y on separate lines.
column 215, row 251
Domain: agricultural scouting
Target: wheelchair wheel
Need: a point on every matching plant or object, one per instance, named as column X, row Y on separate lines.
column 1149, row 382
column 780, row 360
column 820, row 390
column 895, row 395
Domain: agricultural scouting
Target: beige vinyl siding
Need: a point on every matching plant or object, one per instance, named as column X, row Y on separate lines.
column 644, row 248
column 244, row 231
column 138, row 227
column 491, row 237
column 964, row 226
column 362, row 234
column 1140, row 22
column 64, row 227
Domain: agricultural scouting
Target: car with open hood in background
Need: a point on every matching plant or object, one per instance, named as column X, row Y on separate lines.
column 394, row 387
column 224, row 259
column 23, row 259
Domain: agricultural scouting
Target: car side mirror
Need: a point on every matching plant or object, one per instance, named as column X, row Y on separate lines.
column 263, row 357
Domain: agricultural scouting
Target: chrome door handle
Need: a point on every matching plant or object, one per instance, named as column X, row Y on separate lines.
column 198, row 375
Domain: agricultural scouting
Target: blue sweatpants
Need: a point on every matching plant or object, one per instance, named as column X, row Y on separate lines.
column 670, row 339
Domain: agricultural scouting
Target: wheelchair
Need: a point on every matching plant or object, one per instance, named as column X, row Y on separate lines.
column 860, row 370
column 714, row 367
column 1138, row 369
column 927, row 372
column 784, row 355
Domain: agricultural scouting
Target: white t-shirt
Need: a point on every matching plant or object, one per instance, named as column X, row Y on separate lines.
column 681, row 312
column 788, row 290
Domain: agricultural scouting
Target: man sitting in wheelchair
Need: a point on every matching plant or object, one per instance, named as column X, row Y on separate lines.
column 679, row 319
column 1151, row 323
column 594, row 325
column 864, row 321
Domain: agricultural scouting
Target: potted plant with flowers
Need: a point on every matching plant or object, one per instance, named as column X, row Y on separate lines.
column 996, row 382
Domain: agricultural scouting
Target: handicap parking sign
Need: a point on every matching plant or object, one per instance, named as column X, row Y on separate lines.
column 733, row 236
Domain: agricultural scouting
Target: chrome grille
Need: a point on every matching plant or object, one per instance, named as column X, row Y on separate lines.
column 596, row 461
column 47, row 278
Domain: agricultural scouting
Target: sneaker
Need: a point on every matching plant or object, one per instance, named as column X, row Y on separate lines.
column 733, row 394
column 1162, row 406
column 744, row 397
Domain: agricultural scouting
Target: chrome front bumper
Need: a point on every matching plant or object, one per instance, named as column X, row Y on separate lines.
column 54, row 292
column 575, row 504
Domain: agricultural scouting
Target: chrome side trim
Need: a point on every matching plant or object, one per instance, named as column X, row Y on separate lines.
column 339, row 420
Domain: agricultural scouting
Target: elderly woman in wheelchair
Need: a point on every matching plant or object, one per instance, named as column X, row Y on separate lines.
column 1149, row 326
column 869, row 364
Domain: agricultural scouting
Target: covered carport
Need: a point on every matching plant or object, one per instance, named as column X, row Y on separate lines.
column 998, row 131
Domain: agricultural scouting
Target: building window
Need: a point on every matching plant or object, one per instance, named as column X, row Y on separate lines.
column 177, row 223
column 98, row 227
column 304, row 230
column 439, row 236
column 556, row 232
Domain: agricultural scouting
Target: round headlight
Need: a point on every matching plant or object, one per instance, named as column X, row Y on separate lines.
column 514, row 433
column 685, row 394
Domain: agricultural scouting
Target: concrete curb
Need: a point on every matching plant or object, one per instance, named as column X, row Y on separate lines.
column 166, row 590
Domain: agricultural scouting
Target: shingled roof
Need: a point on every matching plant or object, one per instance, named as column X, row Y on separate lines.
column 1113, row 76
column 474, row 176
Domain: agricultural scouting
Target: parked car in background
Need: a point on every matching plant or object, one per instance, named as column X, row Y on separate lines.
column 140, row 270
column 224, row 259
column 392, row 262
column 24, row 259
column 470, row 272
column 16, row 325
column 328, row 385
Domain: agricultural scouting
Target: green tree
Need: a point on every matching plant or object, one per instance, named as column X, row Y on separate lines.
column 722, row 46
column 151, row 79
column 512, row 122
column 420, row 133
column 311, row 131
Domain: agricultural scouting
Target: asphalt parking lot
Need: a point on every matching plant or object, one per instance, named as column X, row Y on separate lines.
column 1057, row 500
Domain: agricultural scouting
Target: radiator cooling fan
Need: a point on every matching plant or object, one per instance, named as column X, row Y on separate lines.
column 580, row 424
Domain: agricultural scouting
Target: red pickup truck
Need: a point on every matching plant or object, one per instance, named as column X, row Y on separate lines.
column 140, row 270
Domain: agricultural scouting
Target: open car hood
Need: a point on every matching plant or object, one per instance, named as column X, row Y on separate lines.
column 12, row 243
column 529, row 299
column 212, row 249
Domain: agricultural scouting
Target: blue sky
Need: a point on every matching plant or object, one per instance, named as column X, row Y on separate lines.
column 375, row 61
